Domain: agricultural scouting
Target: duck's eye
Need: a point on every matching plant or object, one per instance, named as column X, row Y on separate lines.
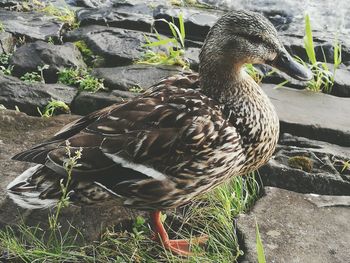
column 252, row 38
column 255, row 38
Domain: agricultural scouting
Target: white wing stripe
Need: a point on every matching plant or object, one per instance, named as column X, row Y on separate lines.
column 137, row 167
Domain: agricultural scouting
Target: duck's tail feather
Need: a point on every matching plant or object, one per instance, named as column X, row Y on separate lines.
column 40, row 187
column 26, row 189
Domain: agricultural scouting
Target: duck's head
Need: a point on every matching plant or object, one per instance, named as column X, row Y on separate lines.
column 241, row 37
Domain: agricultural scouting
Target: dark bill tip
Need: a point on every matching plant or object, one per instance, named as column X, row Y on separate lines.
column 288, row 65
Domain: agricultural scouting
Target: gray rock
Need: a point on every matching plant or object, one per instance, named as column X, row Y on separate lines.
column 18, row 133
column 123, row 15
column 308, row 166
column 313, row 115
column 192, row 56
column 294, row 230
column 7, row 43
column 28, row 57
column 92, row 3
column 197, row 21
column 86, row 102
column 117, row 46
column 32, row 25
column 28, row 96
column 329, row 200
column 123, row 78
column 341, row 86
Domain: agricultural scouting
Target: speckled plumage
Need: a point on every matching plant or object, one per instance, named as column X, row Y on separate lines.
column 181, row 138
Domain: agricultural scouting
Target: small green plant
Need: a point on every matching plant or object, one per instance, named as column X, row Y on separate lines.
column 346, row 166
column 80, row 78
column 2, row 28
column 31, row 77
column 2, row 107
column 86, row 52
column 6, row 70
column 136, row 89
column 323, row 79
column 5, row 58
column 50, row 40
column 52, row 107
column 69, row 164
column 175, row 46
column 259, row 245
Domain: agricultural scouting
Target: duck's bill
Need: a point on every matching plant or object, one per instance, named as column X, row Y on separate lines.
column 288, row 65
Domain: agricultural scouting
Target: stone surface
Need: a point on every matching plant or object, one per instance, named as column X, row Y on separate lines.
column 86, row 102
column 92, row 3
column 308, row 166
column 313, row 115
column 117, row 46
column 295, row 230
column 123, row 78
column 122, row 15
column 28, row 96
column 7, row 43
column 19, row 132
column 197, row 21
column 28, row 57
column 32, row 25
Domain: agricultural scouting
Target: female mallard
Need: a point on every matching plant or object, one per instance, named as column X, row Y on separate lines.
column 181, row 138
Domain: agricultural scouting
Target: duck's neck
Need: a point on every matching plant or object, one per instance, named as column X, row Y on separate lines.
column 223, row 79
column 250, row 110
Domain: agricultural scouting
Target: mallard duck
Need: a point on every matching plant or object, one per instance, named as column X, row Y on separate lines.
column 182, row 137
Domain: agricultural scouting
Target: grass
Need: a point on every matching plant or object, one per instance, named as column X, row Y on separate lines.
column 323, row 79
column 81, row 79
column 2, row 28
column 259, row 245
column 52, row 107
column 212, row 214
column 346, row 166
column 174, row 45
column 63, row 14
column 254, row 73
column 86, row 52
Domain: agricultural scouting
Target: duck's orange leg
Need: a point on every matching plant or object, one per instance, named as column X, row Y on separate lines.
column 179, row 246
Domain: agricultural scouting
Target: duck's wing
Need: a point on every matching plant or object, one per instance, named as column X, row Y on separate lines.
column 150, row 139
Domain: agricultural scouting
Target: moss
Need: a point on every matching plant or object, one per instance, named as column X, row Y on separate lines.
column 89, row 57
column 301, row 162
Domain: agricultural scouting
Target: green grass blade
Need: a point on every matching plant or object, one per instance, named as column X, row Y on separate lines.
column 308, row 41
column 182, row 28
column 160, row 42
column 259, row 246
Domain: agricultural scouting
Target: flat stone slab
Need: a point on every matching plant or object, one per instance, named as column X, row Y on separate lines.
column 122, row 15
column 295, row 230
column 32, row 25
column 307, row 166
column 313, row 115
